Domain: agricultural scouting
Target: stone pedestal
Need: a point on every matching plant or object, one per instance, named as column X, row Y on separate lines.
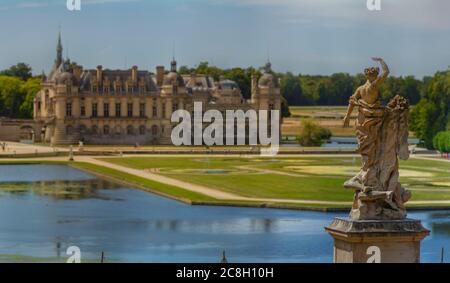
column 385, row 241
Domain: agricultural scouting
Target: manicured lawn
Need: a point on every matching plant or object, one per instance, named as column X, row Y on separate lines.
column 275, row 186
column 155, row 187
column 305, row 177
column 314, row 178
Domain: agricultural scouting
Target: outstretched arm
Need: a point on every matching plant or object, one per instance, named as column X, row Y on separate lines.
column 385, row 68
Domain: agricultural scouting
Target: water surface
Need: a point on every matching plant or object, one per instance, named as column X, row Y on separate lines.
column 46, row 208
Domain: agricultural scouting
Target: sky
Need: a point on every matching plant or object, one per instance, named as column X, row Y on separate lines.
column 301, row 36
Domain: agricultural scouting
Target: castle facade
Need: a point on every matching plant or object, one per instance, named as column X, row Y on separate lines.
column 102, row 106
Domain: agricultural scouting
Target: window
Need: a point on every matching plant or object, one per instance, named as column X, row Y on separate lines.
column 94, row 110
column 69, row 109
column 142, row 110
column 106, row 109
column 142, row 130
column 82, row 129
column 174, row 107
column 106, row 130
column 39, row 105
column 164, row 110
column 82, row 111
column 47, row 99
column 69, row 130
column 118, row 110
column 130, row 130
column 117, row 130
column 94, row 130
column 154, row 130
column 130, row 109
column 154, row 111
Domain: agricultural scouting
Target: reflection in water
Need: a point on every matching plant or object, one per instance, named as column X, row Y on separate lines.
column 41, row 218
column 60, row 190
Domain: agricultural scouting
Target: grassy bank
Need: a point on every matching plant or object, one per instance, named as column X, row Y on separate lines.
column 295, row 178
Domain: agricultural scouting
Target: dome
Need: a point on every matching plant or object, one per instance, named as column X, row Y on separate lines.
column 173, row 78
column 64, row 77
column 228, row 84
column 268, row 80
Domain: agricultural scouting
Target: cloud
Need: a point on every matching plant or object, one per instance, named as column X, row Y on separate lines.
column 32, row 4
column 35, row 4
column 96, row 2
column 397, row 13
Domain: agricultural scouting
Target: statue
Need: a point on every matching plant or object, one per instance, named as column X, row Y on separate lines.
column 71, row 153
column 382, row 134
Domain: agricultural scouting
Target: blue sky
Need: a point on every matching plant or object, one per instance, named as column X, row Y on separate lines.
column 302, row 36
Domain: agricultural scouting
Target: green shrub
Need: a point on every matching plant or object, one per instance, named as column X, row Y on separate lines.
column 312, row 134
column 441, row 142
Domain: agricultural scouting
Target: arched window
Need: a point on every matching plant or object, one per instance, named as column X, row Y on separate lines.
column 82, row 129
column 94, row 130
column 117, row 130
column 47, row 99
column 106, row 130
column 130, row 130
column 142, row 130
column 154, row 130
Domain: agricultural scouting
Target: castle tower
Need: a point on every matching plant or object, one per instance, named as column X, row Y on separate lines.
column 173, row 65
column 59, row 51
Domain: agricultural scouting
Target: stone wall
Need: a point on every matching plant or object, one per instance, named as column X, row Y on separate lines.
column 19, row 129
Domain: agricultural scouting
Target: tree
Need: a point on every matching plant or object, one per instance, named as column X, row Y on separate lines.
column 243, row 79
column 185, row 70
column 341, row 87
column 431, row 114
column 285, row 112
column 441, row 142
column 312, row 134
column 291, row 89
column 11, row 96
column 21, row 70
column 29, row 88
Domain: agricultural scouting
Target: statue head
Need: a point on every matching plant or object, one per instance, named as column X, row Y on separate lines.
column 371, row 73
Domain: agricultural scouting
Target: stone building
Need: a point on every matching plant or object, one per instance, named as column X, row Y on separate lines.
column 102, row 106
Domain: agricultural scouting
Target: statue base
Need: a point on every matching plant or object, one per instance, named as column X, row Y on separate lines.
column 385, row 241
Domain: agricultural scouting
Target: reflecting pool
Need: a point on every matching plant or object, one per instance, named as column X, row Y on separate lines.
column 46, row 208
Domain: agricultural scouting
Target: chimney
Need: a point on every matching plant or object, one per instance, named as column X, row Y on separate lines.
column 159, row 75
column 134, row 74
column 77, row 70
column 254, row 81
column 99, row 74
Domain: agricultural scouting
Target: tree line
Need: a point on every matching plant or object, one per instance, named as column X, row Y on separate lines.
column 430, row 95
column 432, row 114
column 17, row 90
column 309, row 90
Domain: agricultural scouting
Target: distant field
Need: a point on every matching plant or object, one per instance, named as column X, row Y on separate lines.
column 334, row 112
column 326, row 116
